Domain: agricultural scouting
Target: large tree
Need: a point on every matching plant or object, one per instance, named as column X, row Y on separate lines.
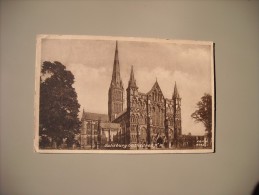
column 204, row 114
column 59, row 106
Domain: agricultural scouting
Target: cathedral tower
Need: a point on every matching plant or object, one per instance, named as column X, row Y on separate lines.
column 177, row 112
column 132, row 89
column 115, row 96
column 132, row 106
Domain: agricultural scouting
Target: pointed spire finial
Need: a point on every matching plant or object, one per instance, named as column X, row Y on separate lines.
column 176, row 94
column 116, row 48
column 132, row 81
column 83, row 114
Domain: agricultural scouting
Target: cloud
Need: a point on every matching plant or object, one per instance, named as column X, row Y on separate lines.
column 91, row 86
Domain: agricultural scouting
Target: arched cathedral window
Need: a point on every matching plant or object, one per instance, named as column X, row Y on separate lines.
column 157, row 116
column 132, row 118
column 142, row 119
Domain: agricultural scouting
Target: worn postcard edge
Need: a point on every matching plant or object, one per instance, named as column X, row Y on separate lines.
column 39, row 39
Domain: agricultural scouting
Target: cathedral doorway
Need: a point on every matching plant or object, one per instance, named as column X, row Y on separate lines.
column 170, row 137
column 159, row 142
column 143, row 135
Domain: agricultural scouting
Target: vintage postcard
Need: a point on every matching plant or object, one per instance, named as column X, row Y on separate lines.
column 97, row 94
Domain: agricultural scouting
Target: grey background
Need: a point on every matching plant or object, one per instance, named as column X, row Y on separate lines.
column 233, row 169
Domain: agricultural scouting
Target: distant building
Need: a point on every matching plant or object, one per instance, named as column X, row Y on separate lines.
column 193, row 141
column 150, row 119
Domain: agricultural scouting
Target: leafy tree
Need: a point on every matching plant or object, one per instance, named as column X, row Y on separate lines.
column 204, row 114
column 59, row 107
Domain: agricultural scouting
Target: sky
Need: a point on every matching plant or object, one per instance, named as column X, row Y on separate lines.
column 91, row 62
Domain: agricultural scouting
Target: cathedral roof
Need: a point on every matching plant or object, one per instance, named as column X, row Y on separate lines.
column 108, row 125
column 168, row 100
column 94, row 116
column 122, row 113
column 155, row 87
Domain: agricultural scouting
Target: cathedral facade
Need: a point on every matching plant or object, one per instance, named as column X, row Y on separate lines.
column 149, row 120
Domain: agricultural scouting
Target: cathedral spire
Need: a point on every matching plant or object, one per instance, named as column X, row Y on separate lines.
column 176, row 94
column 116, row 78
column 132, row 81
column 115, row 94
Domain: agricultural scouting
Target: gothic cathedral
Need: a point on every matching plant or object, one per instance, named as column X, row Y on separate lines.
column 150, row 120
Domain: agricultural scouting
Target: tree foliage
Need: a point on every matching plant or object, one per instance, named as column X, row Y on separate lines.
column 59, row 107
column 204, row 113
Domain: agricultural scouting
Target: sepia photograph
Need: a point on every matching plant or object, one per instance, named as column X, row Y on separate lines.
column 97, row 94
